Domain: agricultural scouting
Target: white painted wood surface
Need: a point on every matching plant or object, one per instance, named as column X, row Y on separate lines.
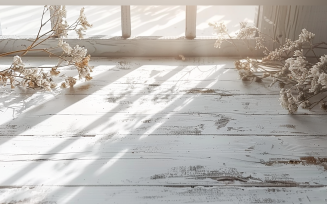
column 108, row 46
column 159, row 130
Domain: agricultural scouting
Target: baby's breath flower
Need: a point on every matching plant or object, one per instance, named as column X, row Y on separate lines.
column 219, row 28
column 78, row 53
column 63, row 85
column 305, row 36
column 31, row 84
column 314, row 85
column 79, row 32
column 64, row 12
column 65, row 47
column 17, row 62
column 54, row 71
column 298, row 53
column 218, row 43
column 36, row 77
column 288, row 101
column 70, row 81
column 323, row 80
column 246, row 31
column 88, row 77
column 82, row 18
column 305, row 104
column 53, row 85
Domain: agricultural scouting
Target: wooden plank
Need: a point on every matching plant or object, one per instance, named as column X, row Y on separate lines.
column 181, row 160
column 180, row 2
column 108, row 46
column 132, row 194
column 149, row 104
column 143, row 91
column 142, row 76
column 158, row 128
column 163, row 124
column 190, row 23
column 126, row 21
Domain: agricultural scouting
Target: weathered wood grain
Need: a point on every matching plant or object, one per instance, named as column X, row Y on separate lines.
column 282, row 22
column 92, row 194
column 164, row 161
column 164, row 128
column 153, row 46
column 164, row 124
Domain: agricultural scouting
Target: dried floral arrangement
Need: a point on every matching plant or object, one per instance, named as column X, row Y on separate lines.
column 33, row 77
column 302, row 81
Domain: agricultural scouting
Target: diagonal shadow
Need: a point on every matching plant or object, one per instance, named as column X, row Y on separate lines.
column 96, row 175
column 64, row 144
column 55, row 149
column 57, row 108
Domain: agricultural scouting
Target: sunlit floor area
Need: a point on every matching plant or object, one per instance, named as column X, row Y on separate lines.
column 145, row 20
column 158, row 130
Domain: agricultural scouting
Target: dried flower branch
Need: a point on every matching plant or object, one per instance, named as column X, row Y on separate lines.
column 33, row 77
column 302, row 83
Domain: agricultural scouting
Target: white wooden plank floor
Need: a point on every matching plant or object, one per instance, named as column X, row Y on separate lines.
column 159, row 130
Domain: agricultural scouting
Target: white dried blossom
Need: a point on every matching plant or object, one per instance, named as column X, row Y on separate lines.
column 259, row 43
column 219, row 28
column 288, row 101
column 80, row 33
column 60, row 25
column 305, row 104
column 314, row 85
column 83, row 21
column 323, row 59
column 65, row 47
column 275, row 55
column 298, row 53
column 316, row 69
column 246, row 31
column 323, row 80
column 298, row 69
column 64, row 11
column 70, row 81
column 182, row 57
column 78, row 53
column 283, row 99
column 305, row 36
column 30, row 72
column 218, row 43
column 17, row 62
column 35, row 77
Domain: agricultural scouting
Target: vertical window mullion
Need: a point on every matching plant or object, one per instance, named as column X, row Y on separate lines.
column 126, row 21
column 0, row 28
column 190, row 25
